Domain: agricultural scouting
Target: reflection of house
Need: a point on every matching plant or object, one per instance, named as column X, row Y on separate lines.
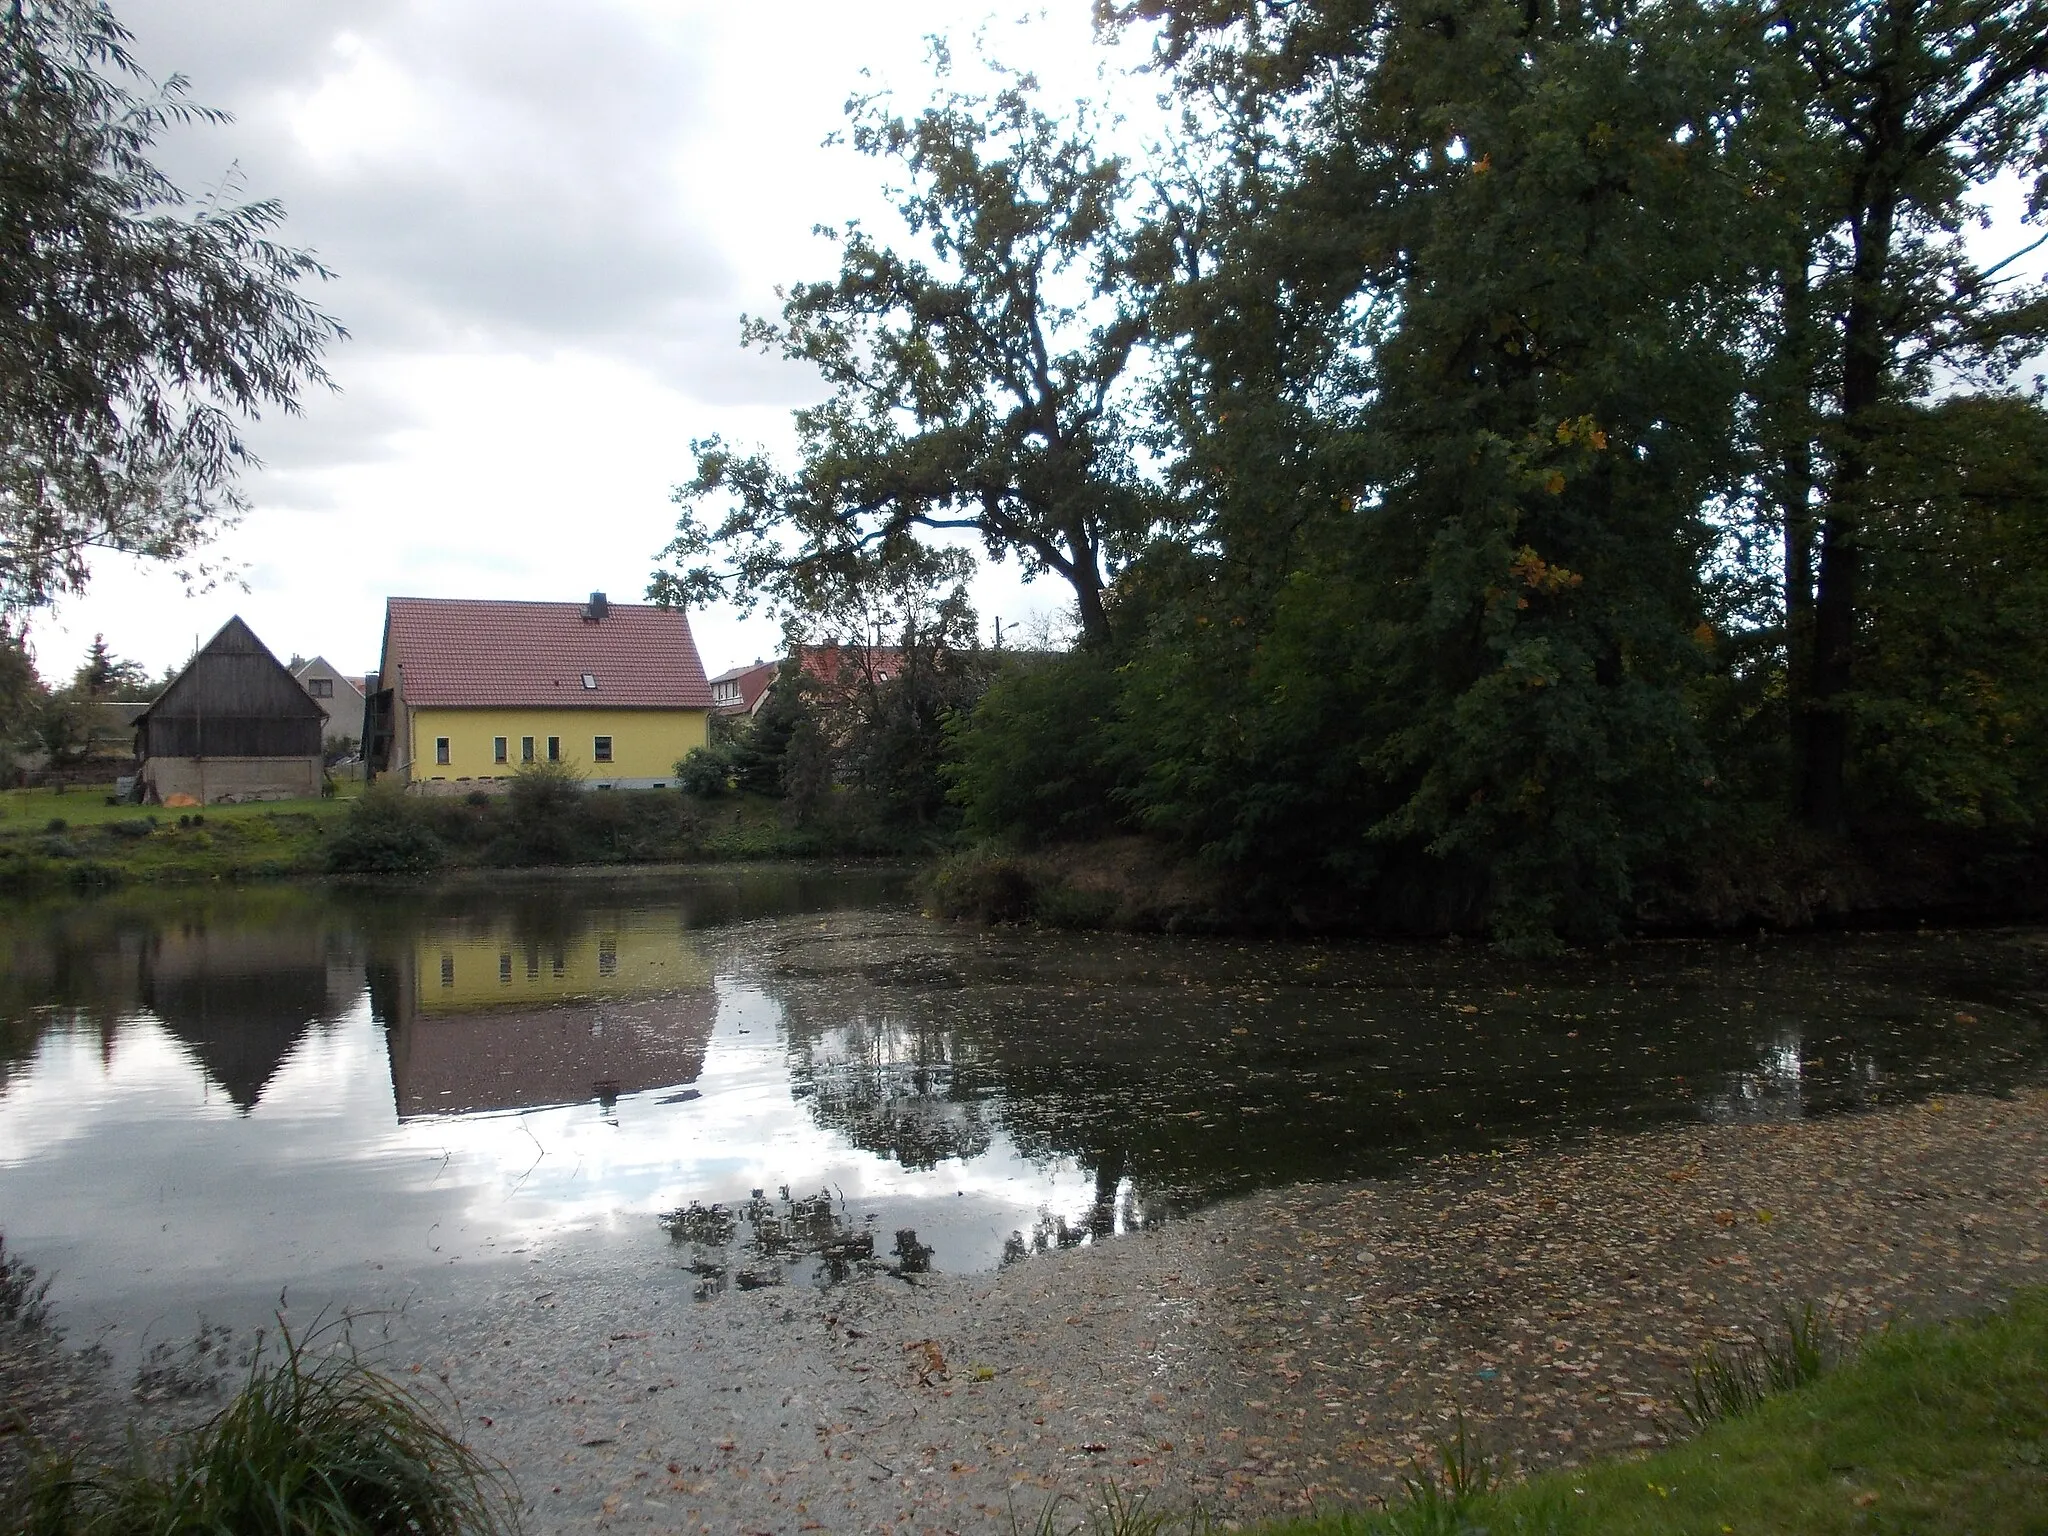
column 564, row 1055
column 241, row 999
column 234, row 725
column 339, row 696
column 470, row 691
column 500, row 1020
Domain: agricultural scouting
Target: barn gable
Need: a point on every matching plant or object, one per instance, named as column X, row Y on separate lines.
column 234, row 699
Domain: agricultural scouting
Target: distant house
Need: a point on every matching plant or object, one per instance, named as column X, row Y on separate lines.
column 469, row 691
column 233, row 726
column 742, row 689
column 339, row 696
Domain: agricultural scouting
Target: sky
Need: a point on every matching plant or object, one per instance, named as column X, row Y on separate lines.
column 545, row 222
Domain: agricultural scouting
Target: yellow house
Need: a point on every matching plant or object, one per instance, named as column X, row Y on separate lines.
column 471, row 690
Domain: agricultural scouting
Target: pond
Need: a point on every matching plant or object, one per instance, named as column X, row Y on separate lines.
column 217, row 1100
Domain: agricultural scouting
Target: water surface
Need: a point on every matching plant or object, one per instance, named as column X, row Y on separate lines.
column 209, row 1099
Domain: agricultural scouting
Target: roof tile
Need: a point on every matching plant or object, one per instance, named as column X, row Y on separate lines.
column 459, row 653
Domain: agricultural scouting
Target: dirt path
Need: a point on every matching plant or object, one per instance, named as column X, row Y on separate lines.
column 1297, row 1347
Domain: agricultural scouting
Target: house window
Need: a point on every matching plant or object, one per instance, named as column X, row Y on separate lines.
column 505, row 968
column 497, row 749
column 601, row 749
column 320, row 687
column 526, row 749
column 447, row 968
column 554, row 749
column 590, row 680
column 441, row 749
column 607, row 957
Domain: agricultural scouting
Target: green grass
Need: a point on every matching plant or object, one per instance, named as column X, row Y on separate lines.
column 1931, row 1429
column 308, row 1447
column 86, row 806
column 99, row 846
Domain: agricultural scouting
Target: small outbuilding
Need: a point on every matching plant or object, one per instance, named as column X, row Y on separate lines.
column 235, row 725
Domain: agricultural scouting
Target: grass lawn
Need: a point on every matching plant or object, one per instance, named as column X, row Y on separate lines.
column 99, row 845
column 1929, row 1429
column 86, row 806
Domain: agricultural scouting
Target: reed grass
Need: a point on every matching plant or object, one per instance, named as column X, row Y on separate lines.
column 308, row 1447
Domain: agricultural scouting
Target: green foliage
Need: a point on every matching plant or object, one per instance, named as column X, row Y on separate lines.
column 1731, row 1379
column 308, row 1445
column 976, row 387
column 385, row 834
column 139, row 327
column 547, row 817
column 1036, row 757
column 708, row 771
column 1950, row 704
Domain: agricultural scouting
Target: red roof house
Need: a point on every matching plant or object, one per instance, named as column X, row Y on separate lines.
column 470, row 691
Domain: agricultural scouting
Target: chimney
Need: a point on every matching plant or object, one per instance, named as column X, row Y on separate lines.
column 598, row 608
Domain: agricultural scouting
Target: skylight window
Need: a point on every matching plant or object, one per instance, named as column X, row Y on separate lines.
column 590, row 679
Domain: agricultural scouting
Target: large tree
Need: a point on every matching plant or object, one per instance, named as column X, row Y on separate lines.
column 1879, row 126
column 139, row 328
column 979, row 387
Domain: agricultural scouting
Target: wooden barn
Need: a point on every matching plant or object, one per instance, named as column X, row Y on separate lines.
column 233, row 726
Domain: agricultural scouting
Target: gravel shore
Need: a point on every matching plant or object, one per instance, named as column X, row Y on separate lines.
column 1299, row 1347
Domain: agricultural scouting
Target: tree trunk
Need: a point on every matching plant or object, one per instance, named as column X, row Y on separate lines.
column 1086, row 579
column 1794, row 406
column 1865, row 353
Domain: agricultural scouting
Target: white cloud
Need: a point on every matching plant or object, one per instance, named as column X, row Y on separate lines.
column 545, row 222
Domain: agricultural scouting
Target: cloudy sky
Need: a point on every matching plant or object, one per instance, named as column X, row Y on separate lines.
column 546, row 221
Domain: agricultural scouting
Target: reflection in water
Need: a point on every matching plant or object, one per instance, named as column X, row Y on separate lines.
column 483, row 1017
column 891, row 1086
column 263, row 1086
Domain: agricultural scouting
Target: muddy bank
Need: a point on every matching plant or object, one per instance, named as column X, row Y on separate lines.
column 1292, row 1348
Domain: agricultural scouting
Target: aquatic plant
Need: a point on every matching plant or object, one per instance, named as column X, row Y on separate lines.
column 23, row 1298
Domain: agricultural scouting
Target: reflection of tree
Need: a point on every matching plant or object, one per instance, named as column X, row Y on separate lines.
column 1178, row 1074
column 891, row 1085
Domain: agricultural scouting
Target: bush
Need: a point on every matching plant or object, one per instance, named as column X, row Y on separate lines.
column 1036, row 760
column 983, row 886
column 707, row 772
column 386, row 833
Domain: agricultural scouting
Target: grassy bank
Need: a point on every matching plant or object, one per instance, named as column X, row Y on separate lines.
column 76, row 841
column 1928, row 1429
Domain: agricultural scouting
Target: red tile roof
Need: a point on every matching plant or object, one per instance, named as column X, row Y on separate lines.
column 458, row 653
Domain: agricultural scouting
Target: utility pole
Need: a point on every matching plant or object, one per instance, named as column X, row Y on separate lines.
column 999, row 631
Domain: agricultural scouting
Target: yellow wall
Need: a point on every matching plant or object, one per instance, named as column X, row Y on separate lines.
column 645, row 742
column 466, row 972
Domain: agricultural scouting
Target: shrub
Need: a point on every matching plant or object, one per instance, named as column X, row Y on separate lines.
column 984, row 886
column 1036, row 759
column 385, row 834
column 707, row 772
